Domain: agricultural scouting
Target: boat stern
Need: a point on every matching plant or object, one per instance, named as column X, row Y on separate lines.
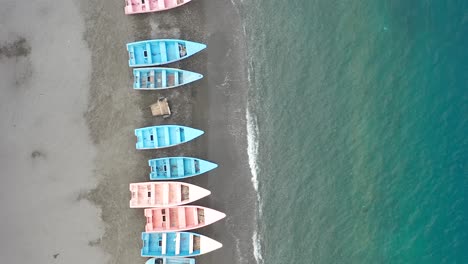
column 128, row 7
column 146, row 243
column 139, row 134
column 168, row 260
column 149, row 220
column 131, row 55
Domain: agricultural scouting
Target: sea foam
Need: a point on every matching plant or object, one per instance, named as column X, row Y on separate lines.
column 252, row 151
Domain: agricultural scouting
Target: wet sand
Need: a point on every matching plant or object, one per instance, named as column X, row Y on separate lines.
column 215, row 104
column 87, row 144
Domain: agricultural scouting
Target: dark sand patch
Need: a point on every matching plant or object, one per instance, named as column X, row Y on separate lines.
column 17, row 48
column 37, row 154
column 215, row 104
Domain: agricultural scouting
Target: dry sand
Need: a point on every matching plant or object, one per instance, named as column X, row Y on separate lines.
column 45, row 112
column 46, row 157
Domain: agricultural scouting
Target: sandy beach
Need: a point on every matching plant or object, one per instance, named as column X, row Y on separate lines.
column 68, row 115
column 46, row 156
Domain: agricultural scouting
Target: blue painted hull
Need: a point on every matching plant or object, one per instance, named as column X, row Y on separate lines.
column 176, row 168
column 162, row 78
column 160, row 51
column 169, row 260
column 176, row 244
column 164, row 136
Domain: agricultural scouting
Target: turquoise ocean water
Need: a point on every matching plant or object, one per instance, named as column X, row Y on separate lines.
column 358, row 124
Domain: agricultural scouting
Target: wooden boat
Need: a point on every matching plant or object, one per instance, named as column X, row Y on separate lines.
column 180, row 244
column 175, row 168
column 160, row 51
column 164, row 136
column 170, row 260
column 164, row 194
column 147, row 6
column 162, row 78
column 180, row 218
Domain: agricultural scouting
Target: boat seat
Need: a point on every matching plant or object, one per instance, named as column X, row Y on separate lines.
column 151, row 79
column 155, row 137
column 163, row 78
column 165, row 193
column 176, row 78
column 148, row 50
column 195, row 217
column 191, row 243
column 177, row 138
column 153, row 192
column 164, row 245
column 168, row 136
column 182, row 219
column 168, row 219
column 161, row 4
column 177, row 244
column 178, row 194
column 162, row 49
column 180, row 167
column 191, row 162
column 168, row 168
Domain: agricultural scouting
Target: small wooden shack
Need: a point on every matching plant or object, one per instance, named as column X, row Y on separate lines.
column 161, row 108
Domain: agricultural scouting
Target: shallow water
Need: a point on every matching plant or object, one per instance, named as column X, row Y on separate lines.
column 360, row 108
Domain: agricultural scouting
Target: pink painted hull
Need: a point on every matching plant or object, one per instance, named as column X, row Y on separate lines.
column 180, row 218
column 164, row 194
column 148, row 6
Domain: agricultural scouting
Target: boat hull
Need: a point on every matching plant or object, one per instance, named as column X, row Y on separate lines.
column 160, row 51
column 158, row 78
column 180, row 218
column 176, row 244
column 164, row 136
column 164, row 194
column 133, row 7
column 176, row 168
column 170, row 260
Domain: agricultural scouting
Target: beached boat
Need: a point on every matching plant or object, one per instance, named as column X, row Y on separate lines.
column 164, row 136
column 147, row 6
column 180, row 244
column 180, row 218
column 162, row 78
column 160, row 51
column 176, row 168
column 164, row 194
column 170, row 260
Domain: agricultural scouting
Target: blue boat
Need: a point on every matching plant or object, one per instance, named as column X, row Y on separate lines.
column 176, row 244
column 176, row 168
column 160, row 51
column 164, row 136
column 162, row 78
column 169, row 260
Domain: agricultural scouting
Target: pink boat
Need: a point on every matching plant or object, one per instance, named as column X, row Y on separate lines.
column 164, row 194
column 180, row 218
column 147, row 6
